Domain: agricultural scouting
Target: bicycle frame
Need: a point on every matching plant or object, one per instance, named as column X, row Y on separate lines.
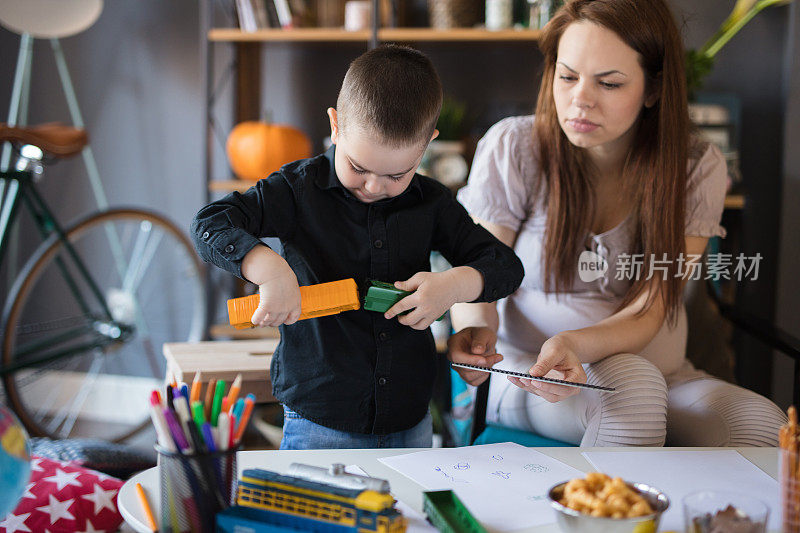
column 21, row 189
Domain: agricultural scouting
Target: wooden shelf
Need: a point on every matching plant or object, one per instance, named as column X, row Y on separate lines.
column 294, row 35
column 456, row 35
column 732, row 201
column 230, row 185
column 384, row 34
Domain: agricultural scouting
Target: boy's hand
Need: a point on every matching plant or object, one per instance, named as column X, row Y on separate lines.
column 473, row 346
column 279, row 293
column 279, row 302
column 434, row 293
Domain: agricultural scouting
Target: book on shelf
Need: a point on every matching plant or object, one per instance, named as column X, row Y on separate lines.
column 716, row 123
column 708, row 114
column 260, row 9
column 246, row 15
column 302, row 14
column 284, row 13
column 272, row 14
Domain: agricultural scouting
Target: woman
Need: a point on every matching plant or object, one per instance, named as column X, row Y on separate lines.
column 606, row 169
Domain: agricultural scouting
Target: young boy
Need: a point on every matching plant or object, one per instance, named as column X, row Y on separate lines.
column 359, row 379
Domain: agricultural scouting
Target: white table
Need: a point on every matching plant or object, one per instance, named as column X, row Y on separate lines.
column 402, row 487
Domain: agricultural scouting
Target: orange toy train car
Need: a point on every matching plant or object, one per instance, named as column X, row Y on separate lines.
column 315, row 300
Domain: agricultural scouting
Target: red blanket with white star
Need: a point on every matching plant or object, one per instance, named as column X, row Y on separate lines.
column 64, row 497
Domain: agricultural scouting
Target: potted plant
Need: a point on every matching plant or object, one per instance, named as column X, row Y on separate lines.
column 444, row 159
column 699, row 63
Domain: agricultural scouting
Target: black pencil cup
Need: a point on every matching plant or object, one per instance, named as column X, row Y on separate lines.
column 194, row 488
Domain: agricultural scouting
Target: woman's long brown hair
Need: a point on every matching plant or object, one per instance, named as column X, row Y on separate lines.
column 655, row 171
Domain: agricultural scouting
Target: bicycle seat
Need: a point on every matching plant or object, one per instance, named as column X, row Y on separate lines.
column 53, row 138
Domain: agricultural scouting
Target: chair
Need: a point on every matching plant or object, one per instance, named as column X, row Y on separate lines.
column 460, row 416
column 483, row 433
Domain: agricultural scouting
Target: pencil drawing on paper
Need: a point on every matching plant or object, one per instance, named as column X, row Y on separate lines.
column 449, row 477
column 539, row 469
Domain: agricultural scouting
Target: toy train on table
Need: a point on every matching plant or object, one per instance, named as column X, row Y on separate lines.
column 318, row 499
column 311, row 499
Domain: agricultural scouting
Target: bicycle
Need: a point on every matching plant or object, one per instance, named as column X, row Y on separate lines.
column 84, row 316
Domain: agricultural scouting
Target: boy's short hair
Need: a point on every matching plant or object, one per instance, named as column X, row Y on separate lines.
column 393, row 91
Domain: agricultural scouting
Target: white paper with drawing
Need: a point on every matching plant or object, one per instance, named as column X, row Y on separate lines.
column 503, row 485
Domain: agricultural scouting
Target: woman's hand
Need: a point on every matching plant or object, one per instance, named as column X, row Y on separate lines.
column 473, row 346
column 557, row 359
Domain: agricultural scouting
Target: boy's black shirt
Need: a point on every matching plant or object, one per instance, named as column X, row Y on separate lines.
column 355, row 371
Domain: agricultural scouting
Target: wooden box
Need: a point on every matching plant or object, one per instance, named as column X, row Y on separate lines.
column 223, row 360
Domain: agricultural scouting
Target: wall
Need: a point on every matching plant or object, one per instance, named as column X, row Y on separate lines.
column 751, row 66
column 137, row 77
column 788, row 308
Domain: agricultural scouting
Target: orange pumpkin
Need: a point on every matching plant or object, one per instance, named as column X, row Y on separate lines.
column 257, row 149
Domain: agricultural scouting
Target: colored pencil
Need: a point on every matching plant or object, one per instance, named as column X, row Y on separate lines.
column 236, row 387
column 224, row 427
column 209, row 398
column 216, row 405
column 197, row 384
column 248, row 410
column 148, row 511
column 160, row 423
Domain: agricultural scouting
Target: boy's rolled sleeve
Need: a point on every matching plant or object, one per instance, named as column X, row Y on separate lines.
column 226, row 249
column 464, row 243
column 223, row 232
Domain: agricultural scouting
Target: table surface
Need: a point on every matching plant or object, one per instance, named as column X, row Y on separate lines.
column 403, row 488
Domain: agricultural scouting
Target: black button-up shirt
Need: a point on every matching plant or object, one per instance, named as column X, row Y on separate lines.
column 355, row 371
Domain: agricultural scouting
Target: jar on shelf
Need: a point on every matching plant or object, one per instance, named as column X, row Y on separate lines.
column 499, row 14
column 329, row 13
column 445, row 14
column 357, row 15
column 541, row 11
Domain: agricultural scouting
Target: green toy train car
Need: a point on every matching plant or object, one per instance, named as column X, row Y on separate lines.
column 381, row 296
column 447, row 514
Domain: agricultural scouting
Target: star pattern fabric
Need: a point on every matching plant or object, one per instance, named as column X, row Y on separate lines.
column 65, row 497
column 62, row 479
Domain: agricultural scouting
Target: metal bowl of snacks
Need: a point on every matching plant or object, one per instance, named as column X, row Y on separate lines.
column 617, row 507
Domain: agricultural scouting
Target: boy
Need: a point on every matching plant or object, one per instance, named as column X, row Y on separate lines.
column 359, row 379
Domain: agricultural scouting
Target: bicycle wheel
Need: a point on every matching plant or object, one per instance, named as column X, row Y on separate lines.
column 85, row 322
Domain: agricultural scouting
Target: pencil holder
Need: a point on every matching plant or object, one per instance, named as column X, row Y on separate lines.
column 789, row 466
column 194, row 488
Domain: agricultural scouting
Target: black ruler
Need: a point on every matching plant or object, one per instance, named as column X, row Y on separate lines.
column 528, row 376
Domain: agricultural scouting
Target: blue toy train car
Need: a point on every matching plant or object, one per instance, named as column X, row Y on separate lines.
column 311, row 499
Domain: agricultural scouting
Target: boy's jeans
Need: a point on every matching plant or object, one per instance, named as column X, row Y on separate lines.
column 302, row 434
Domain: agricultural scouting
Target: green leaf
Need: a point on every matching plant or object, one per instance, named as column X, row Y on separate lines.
column 452, row 123
column 698, row 66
